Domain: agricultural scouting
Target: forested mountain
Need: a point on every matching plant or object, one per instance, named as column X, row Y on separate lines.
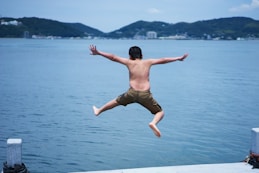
column 44, row 27
column 223, row 28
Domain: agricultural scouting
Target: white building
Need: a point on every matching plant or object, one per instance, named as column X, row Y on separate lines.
column 13, row 22
column 151, row 35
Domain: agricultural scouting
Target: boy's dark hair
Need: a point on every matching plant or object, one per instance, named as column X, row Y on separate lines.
column 135, row 53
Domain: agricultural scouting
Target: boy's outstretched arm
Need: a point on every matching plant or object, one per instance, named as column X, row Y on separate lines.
column 169, row 59
column 109, row 56
column 94, row 51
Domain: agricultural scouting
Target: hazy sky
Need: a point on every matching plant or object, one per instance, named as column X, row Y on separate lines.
column 109, row 15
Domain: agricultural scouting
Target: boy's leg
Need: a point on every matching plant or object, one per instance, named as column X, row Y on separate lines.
column 111, row 104
column 158, row 117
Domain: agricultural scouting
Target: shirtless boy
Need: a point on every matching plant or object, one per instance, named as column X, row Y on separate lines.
column 139, row 91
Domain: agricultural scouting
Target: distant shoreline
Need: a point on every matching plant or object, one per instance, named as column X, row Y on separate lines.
column 233, row 28
column 158, row 39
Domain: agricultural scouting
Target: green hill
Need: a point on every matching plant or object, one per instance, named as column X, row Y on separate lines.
column 45, row 27
column 224, row 28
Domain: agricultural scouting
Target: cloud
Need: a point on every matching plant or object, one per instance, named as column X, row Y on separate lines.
column 246, row 7
column 155, row 10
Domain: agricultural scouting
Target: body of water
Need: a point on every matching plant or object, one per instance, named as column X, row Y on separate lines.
column 48, row 88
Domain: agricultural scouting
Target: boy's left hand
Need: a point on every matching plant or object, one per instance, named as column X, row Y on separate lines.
column 183, row 57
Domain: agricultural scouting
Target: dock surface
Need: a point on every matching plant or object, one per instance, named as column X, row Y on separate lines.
column 240, row 167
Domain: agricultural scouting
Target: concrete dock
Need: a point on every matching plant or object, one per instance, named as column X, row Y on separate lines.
column 240, row 167
column 14, row 157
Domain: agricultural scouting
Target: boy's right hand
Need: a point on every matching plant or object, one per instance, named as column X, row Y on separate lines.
column 93, row 50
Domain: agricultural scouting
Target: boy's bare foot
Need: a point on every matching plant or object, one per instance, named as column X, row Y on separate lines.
column 155, row 129
column 96, row 111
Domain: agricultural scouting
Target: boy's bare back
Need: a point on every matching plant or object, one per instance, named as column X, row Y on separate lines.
column 139, row 71
column 139, row 74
